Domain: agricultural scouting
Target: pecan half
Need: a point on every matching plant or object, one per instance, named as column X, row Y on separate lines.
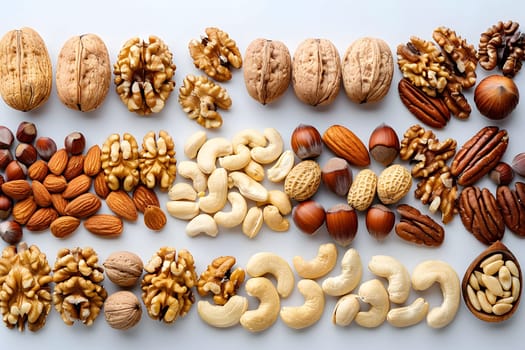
column 418, row 228
column 430, row 110
column 479, row 155
column 512, row 210
column 480, row 214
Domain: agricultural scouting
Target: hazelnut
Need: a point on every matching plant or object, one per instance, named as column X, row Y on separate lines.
column 306, row 142
column 518, row 164
column 45, row 147
column 380, row 221
column 6, row 205
column 341, row 224
column 25, row 153
column 122, row 310
column 384, row 144
column 11, row 232
column 5, row 157
column 337, row 175
column 6, row 137
column 123, row 268
column 26, row 132
column 502, row 174
column 74, row 143
column 308, row 216
column 15, row 170
column 496, row 96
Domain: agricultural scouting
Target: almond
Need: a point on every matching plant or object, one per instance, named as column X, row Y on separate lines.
column 58, row 161
column 23, row 209
column 17, row 189
column 100, row 185
column 41, row 219
column 83, row 206
column 345, row 144
column 38, row 170
column 55, row 183
column 122, row 205
column 41, row 194
column 105, row 225
column 64, row 226
column 77, row 186
column 144, row 196
column 74, row 167
column 92, row 162
column 59, row 203
column 154, row 218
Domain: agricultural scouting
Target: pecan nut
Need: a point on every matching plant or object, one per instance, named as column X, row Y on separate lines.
column 418, row 228
column 512, row 210
column 479, row 155
column 481, row 215
column 430, row 110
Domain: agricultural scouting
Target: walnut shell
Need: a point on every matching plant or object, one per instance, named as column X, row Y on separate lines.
column 83, row 72
column 267, row 70
column 25, row 68
column 123, row 268
column 303, row 180
column 122, row 310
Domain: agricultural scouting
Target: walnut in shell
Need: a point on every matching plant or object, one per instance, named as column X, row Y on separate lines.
column 123, row 268
column 122, row 310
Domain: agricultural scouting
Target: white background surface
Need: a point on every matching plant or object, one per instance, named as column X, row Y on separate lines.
column 291, row 22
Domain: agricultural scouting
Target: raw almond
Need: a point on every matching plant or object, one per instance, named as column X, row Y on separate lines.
column 38, row 170
column 84, row 205
column 154, row 218
column 100, row 185
column 59, row 203
column 17, row 189
column 41, row 219
column 23, row 209
column 58, row 161
column 122, row 205
column 144, row 196
column 77, row 186
column 105, row 225
column 55, row 183
column 345, row 144
column 64, row 226
column 41, row 194
column 92, row 163
column 74, row 167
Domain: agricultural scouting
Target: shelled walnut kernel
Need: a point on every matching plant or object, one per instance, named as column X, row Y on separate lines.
column 220, row 280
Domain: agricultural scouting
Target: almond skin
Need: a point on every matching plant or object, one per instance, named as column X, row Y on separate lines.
column 74, row 167
column 154, row 218
column 59, row 203
column 122, row 205
column 23, row 209
column 77, row 186
column 92, row 163
column 64, row 226
column 55, row 183
column 41, row 194
column 345, row 144
column 38, row 170
column 41, row 219
column 17, row 189
column 100, row 185
column 83, row 206
column 104, row 225
column 143, row 197
column 58, row 161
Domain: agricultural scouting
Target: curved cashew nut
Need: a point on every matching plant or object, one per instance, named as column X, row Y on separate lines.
column 345, row 310
column 223, row 316
column 253, row 222
column 202, row 223
column 190, row 170
column 248, row 187
column 236, row 215
column 374, row 293
column 319, row 266
column 427, row 273
column 274, row 220
column 194, row 143
column 249, row 137
column 238, row 160
column 282, row 167
column 396, row 274
column 268, row 311
column 351, row 272
column 210, row 151
column 184, row 210
column 280, row 200
column 310, row 312
column 409, row 315
column 254, row 170
column 217, row 195
column 262, row 263
column 272, row 151
column 182, row 191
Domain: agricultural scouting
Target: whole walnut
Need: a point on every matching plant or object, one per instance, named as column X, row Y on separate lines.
column 122, row 310
column 123, row 268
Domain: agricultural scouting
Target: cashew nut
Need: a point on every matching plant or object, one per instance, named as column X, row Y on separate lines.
column 184, row 210
column 264, row 262
column 396, row 274
column 374, row 293
column 272, row 151
column 253, row 222
column 425, row 275
column 248, row 187
column 409, row 315
column 351, row 272
column 274, row 220
column 319, row 266
column 217, row 192
column 238, row 160
column 210, row 151
column 254, row 170
column 269, row 305
column 223, row 316
column 190, row 170
column 202, row 223
column 194, row 143
column 236, row 215
column 310, row 312
column 282, row 167
column 249, row 137
column 280, row 200
column 346, row 309
column 182, row 191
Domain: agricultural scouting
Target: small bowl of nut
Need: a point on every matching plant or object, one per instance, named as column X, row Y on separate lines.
column 492, row 284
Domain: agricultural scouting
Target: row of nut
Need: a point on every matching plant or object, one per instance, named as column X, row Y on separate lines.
column 491, row 288
column 434, row 74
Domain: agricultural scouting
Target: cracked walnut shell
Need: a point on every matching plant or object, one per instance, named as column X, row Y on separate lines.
column 200, row 98
column 157, row 163
column 144, row 75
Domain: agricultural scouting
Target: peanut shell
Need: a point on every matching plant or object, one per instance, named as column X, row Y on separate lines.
column 303, row 180
column 363, row 190
column 393, row 184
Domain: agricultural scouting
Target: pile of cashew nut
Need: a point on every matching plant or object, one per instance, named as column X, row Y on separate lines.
column 222, row 171
column 369, row 307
